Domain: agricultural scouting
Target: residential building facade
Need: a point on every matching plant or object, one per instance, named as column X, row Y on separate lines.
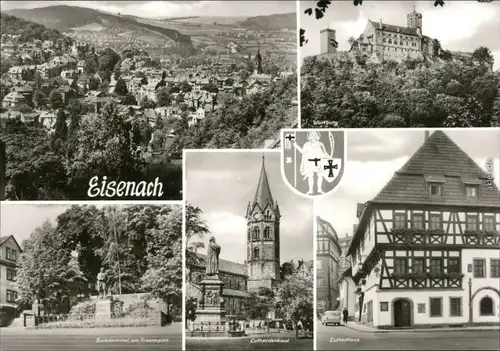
column 9, row 255
column 328, row 253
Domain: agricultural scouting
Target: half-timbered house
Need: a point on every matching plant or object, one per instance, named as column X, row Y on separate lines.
column 426, row 250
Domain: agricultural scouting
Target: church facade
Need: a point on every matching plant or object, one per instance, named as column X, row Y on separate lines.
column 261, row 268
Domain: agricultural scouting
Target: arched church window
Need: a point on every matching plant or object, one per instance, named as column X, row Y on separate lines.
column 486, row 306
column 267, row 233
column 256, row 233
column 248, row 234
column 256, row 252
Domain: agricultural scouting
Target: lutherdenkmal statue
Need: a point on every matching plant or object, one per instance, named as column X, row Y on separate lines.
column 213, row 252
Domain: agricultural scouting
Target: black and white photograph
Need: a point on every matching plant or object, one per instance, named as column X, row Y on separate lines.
column 408, row 247
column 249, row 254
column 90, row 277
column 99, row 98
column 404, row 64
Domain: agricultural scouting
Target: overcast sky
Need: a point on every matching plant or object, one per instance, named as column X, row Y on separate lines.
column 154, row 9
column 222, row 184
column 374, row 156
column 459, row 25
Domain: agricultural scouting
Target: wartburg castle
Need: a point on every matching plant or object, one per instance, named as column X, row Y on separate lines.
column 386, row 42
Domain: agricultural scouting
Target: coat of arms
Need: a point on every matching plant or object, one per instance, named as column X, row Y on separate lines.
column 312, row 160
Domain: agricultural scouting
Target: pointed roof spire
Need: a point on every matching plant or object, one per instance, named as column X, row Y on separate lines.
column 263, row 195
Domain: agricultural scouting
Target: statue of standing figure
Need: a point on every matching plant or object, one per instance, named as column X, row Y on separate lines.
column 101, row 283
column 213, row 252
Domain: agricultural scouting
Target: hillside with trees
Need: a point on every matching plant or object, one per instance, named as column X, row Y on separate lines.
column 64, row 18
column 242, row 123
column 271, row 22
column 28, row 30
column 349, row 92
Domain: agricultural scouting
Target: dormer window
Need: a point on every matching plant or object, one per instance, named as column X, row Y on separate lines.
column 435, row 189
column 471, row 191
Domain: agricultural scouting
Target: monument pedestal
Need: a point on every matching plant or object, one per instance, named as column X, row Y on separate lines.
column 210, row 314
column 103, row 310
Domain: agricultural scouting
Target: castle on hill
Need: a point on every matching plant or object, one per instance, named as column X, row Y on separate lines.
column 386, row 42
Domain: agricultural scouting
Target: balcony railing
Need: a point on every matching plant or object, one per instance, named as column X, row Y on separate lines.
column 427, row 280
column 413, row 236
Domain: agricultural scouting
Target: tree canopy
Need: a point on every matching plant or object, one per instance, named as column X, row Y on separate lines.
column 344, row 92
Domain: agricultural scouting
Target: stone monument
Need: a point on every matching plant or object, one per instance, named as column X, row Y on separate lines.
column 106, row 304
column 210, row 313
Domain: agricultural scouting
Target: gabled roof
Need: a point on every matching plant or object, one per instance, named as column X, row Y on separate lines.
column 263, row 195
column 3, row 239
column 394, row 29
column 442, row 161
column 226, row 266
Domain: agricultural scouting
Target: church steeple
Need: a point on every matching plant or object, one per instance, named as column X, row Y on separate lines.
column 258, row 63
column 263, row 195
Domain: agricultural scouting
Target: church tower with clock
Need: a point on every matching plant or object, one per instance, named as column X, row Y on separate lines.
column 263, row 237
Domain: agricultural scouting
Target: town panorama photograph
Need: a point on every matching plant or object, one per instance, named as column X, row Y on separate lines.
column 99, row 98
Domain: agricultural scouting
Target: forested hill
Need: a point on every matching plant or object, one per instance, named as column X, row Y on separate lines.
column 64, row 18
column 409, row 94
column 244, row 123
column 271, row 22
column 28, row 30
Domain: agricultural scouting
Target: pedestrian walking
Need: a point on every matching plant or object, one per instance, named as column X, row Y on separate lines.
column 345, row 315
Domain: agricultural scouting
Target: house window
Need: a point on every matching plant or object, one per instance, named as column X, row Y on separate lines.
column 267, row 233
column 11, row 254
column 471, row 190
column 486, row 306
column 418, row 221
column 256, row 252
column 436, row 309
column 418, row 265
column 472, row 223
column 435, row 221
column 453, row 265
column 399, row 220
column 436, row 266
column 400, row 266
column 435, row 189
column 11, row 296
column 479, row 271
column 455, row 306
column 11, row 274
column 495, row 268
column 489, row 223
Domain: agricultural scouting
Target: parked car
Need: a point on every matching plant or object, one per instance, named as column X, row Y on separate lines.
column 331, row 317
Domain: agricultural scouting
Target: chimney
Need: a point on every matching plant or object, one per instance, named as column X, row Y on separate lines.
column 427, row 134
column 380, row 24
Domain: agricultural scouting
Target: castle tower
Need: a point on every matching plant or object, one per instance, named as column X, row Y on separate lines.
column 414, row 20
column 328, row 42
column 263, row 237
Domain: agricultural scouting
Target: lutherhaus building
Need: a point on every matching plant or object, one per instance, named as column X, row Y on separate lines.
column 386, row 42
column 426, row 251
column 262, row 266
column 328, row 253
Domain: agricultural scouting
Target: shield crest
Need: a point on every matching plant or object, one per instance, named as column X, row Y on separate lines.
column 313, row 160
